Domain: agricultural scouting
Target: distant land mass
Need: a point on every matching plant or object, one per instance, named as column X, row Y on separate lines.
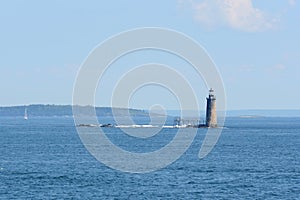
column 66, row 110
column 263, row 113
column 252, row 113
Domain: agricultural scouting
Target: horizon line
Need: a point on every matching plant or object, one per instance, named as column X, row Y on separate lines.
column 98, row 106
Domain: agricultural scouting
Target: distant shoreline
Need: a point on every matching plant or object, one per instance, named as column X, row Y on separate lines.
column 66, row 110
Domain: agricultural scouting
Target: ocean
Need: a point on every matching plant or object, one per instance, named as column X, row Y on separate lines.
column 255, row 158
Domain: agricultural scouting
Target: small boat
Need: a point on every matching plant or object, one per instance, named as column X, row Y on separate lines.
column 25, row 114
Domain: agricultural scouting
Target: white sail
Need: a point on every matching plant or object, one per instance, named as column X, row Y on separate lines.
column 25, row 114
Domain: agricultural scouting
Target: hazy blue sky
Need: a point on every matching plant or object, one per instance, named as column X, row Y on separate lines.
column 255, row 45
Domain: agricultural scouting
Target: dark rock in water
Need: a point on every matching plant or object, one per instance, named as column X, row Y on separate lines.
column 106, row 125
column 96, row 125
column 87, row 125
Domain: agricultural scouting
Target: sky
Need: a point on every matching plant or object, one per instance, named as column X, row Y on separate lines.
column 254, row 44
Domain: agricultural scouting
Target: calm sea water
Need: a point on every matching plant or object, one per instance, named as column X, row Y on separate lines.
column 43, row 158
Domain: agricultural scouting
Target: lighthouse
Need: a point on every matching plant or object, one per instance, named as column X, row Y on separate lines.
column 211, row 110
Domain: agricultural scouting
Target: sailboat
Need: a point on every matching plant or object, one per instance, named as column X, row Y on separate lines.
column 25, row 114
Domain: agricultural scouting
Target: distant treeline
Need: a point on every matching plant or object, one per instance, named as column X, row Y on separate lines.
column 66, row 110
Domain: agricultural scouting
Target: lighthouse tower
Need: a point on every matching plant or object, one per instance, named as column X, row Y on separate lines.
column 211, row 110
